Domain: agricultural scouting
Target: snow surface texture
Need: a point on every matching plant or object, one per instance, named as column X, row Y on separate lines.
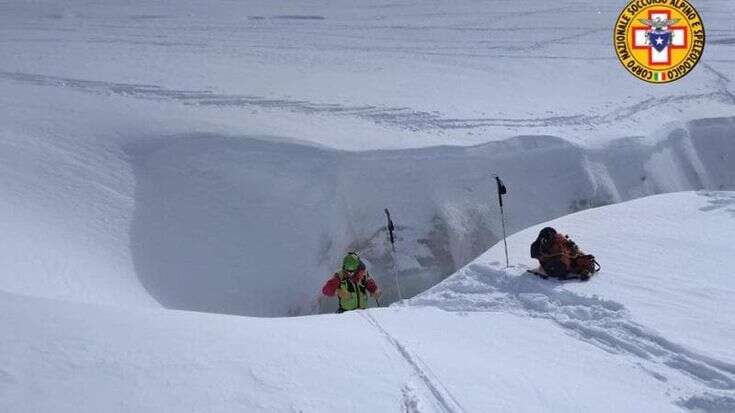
column 637, row 337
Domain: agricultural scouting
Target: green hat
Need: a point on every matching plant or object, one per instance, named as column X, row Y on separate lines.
column 351, row 262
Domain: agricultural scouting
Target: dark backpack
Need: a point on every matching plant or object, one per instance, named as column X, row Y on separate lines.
column 548, row 234
column 585, row 265
column 536, row 249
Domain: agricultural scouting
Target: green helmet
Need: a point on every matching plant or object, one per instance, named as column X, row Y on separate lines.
column 351, row 262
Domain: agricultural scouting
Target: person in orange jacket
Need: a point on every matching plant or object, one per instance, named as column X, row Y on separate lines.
column 560, row 257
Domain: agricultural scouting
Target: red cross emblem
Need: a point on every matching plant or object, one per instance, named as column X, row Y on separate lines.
column 679, row 39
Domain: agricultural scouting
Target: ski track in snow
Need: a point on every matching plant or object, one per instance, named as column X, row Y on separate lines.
column 444, row 398
column 411, row 403
column 720, row 201
column 603, row 323
column 401, row 117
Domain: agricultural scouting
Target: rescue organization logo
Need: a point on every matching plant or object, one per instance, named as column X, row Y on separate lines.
column 659, row 41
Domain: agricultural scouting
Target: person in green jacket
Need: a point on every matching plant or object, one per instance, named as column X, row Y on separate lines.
column 351, row 285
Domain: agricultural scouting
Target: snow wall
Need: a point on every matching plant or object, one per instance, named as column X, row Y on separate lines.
column 255, row 225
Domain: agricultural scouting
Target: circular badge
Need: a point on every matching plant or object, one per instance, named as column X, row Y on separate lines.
column 659, row 41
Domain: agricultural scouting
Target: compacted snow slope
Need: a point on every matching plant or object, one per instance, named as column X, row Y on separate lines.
column 649, row 333
column 661, row 298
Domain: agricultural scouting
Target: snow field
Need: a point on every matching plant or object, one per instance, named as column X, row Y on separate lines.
column 222, row 157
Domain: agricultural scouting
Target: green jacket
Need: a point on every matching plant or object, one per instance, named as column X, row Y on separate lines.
column 358, row 287
column 358, row 294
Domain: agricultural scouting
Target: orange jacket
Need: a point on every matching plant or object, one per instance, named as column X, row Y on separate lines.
column 561, row 248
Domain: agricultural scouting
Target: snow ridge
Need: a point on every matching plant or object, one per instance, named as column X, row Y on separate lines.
column 600, row 322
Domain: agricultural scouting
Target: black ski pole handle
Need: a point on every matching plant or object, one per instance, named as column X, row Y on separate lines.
column 391, row 227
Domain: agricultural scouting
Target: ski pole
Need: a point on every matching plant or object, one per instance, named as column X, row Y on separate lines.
column 502, row 190
column 392, row 240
